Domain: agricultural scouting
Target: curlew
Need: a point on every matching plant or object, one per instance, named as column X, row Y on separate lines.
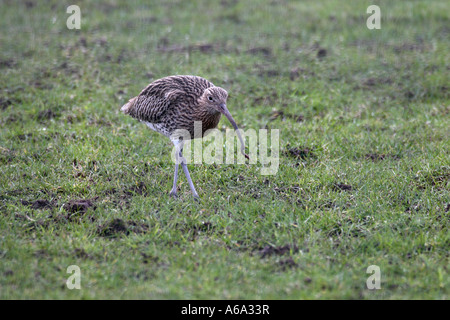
column 175, row 103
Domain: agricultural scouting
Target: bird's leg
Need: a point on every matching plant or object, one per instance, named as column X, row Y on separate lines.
column 180, row 159
column 186, row 173
column 177, row 144
column 173, row 192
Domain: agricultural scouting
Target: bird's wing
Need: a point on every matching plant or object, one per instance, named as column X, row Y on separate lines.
column 151, row 104
column 161, row 95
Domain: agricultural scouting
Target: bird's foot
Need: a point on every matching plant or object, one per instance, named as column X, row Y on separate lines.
column 173, row 193
column 196, row 197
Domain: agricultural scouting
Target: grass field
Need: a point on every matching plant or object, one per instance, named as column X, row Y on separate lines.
column 364, row 174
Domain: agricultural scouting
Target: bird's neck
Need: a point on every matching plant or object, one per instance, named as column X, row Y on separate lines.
column 214, row 112
column 209, row 118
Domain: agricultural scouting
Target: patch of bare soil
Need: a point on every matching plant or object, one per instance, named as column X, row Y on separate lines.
column 39, row 204
column 113, row 228
column 380, row 156
column 118, row 226
column 76, row 206
column 299, row 153
column 342, row 187
column 279, row 251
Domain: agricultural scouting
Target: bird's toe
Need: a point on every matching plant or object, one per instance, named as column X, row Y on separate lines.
column 173, row 194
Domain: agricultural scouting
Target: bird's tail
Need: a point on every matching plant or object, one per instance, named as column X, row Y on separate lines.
column 127, row 106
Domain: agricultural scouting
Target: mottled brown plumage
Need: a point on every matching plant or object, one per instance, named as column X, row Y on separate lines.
column 177, row 102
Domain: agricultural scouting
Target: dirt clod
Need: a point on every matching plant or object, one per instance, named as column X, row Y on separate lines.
column 5, row 103
column 281, row 250
column 300, row 153
column 113, row 228
column 46, row 114
column 8, row 273
column 260, row 50
column 7, row 63
column 38, row 204
column 74, row 206
column 322, row 53
column 342, row 186
column 286, row 264
column 203, row 48
column 294, row 73
column 380, row 156
column 81, row 253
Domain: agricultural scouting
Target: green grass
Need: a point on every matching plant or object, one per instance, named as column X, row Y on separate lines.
column 364, row 153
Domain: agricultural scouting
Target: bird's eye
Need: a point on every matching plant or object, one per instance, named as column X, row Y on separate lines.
column 210, row 98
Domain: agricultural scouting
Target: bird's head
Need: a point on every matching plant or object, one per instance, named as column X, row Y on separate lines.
column 216, row 100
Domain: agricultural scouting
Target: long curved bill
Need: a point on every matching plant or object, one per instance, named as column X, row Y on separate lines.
column 227, row 114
